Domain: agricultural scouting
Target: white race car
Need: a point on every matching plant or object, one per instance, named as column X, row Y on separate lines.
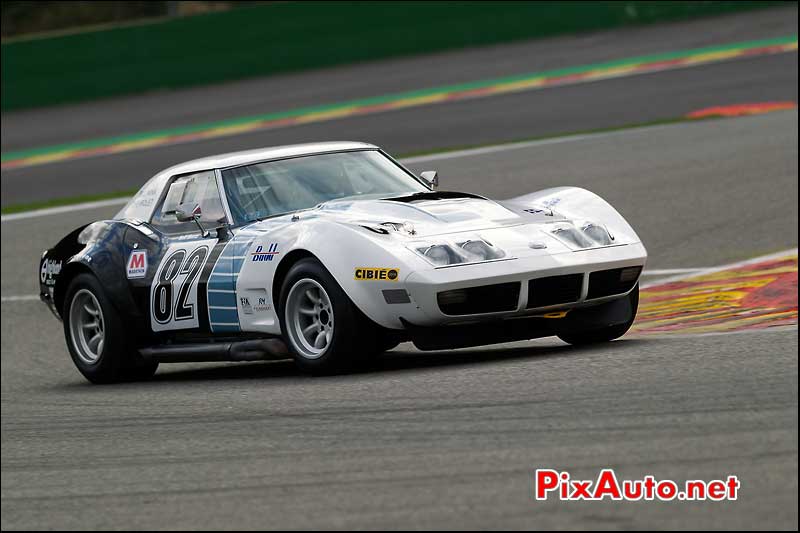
column 340, row 253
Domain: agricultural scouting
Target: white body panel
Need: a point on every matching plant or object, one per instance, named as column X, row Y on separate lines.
column 347, row 235
column 334, row 234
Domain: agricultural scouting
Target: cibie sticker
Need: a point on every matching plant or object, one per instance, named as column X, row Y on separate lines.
column 376, row 274
column 137, row 264
column 265, row 255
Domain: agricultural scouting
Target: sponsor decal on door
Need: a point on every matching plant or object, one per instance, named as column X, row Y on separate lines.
column 265, row 255
column 137, row 264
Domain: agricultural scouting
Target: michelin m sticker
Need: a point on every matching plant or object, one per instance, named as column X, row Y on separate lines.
column 137, row 264
column 376, row 274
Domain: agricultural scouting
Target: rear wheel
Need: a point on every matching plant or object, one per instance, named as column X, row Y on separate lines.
column 96, row 337
column 323, row 329
column 605, row 333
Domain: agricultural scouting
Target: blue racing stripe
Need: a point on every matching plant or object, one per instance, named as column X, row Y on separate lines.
column 224, row 319
column 223, row 277
column 220, row 283
column 237, row 264
column 220, row 328
column 224, row 315
column 238, row 247
column 223, row 266
column 221, row 299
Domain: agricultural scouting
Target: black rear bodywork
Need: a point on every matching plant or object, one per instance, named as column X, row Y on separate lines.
column 102, row 249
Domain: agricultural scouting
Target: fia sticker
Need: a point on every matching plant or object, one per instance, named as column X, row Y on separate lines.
column 137, row 264
column 257, row 306
column 262, row 305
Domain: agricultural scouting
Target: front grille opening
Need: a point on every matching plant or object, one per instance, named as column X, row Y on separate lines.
column 554, row 290
column 610, row 282
column 477, row 300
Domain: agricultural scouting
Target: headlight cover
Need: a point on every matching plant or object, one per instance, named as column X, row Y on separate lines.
column 456, row 253
column 598, row 233
column 481, row 249
column 587, row 235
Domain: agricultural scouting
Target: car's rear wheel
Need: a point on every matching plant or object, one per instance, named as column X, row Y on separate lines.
column 96, row 337
column 606, row 333
column 321, row 326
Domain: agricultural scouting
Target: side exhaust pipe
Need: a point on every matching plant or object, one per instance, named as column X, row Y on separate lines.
column 250, row 350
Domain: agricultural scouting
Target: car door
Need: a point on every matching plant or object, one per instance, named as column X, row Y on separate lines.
column 171, row 263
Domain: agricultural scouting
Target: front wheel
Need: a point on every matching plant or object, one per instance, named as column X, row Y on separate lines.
column 607, row 333
column 323, row 329
column 96, row 337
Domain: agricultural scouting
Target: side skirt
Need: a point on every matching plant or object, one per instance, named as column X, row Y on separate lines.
column 247, row 350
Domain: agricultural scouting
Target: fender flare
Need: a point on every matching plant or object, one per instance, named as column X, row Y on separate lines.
column 98, row 257
column 341, row 248
column 578, row 204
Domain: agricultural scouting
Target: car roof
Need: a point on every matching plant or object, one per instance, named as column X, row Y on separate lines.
column 141, row 206
column 235, row 159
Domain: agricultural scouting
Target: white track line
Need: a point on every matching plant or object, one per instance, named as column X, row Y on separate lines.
column 504, row 147
column 63, row 209
column 407, row 161
column 738, row 264
column 22, row 298
column 672, row 271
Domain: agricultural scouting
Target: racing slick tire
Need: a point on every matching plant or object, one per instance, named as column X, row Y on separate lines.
column 324, row 331
column 607, row 333
column 96, row 337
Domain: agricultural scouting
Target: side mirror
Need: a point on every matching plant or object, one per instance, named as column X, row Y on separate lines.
column 432, row 177
column 188, row 212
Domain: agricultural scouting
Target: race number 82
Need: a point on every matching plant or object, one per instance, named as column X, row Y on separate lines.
column 175, row 266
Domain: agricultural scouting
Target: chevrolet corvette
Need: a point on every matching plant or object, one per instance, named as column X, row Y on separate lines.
column 330, row 254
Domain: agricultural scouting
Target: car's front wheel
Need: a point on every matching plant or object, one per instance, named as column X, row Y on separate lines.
column 96, row 337
column 323, row 329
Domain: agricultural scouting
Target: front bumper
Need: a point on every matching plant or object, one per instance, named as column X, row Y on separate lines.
column 424, row 286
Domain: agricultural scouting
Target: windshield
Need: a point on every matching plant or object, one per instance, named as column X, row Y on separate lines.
column 276, row 187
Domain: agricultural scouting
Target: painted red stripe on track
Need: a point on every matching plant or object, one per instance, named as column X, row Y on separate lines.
column 661, row 64
column 763, row 50
column 566, row 78
column 752, row 296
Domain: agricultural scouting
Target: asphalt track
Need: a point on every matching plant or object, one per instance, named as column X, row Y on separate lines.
column 450, row 439
column 609, row 103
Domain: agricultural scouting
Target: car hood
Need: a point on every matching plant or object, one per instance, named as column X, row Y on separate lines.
column 430, row 216
column 517, row 225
